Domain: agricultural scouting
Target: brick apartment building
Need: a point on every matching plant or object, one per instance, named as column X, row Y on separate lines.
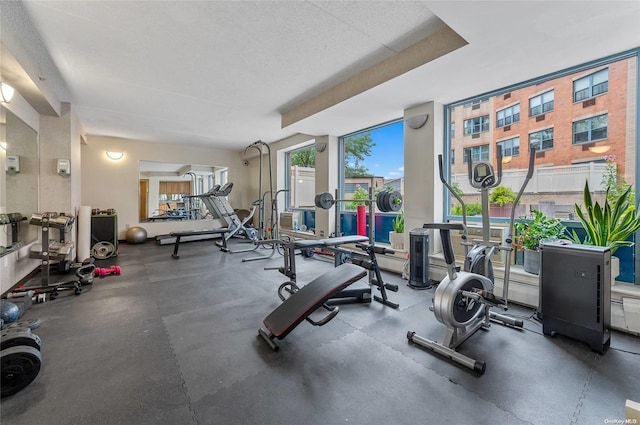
column 572, row 119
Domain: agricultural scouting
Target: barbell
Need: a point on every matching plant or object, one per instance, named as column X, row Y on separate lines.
column 386, row 200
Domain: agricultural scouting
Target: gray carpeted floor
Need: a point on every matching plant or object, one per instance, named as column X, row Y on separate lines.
column 175, row 342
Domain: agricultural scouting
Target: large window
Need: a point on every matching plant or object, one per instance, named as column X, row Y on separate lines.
column 591, row 129
column 476, row 125
column 580, row 142
column 301, row 180
column 541, row 140
column 541, row 104
column 508, row 116
column 591, row 85
column 373, row 157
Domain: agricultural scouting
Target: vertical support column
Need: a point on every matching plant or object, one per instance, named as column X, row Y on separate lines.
column 60, row 138
column 423, row 199
column 326, row 181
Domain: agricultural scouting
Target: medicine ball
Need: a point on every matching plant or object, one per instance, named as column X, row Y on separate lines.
column 9, row 312
column 136, row 235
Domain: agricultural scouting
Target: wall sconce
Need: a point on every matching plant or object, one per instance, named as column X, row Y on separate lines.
column 6, row 91
column 115, row 155
column 417, row 121
column 599, row 149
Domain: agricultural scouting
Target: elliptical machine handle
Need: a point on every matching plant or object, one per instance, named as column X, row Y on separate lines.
column 499, row 159
column 532, row 160
column 447, row 247
column 453, row 192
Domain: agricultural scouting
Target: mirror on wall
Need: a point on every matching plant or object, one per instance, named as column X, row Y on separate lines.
column 167, row 190
column 18, row 181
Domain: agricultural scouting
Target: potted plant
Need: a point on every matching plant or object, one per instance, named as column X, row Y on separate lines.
column 532, row 232
column 501, row 200
column 396, row 236
column 609, row 225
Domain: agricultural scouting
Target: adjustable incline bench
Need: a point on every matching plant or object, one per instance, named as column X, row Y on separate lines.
column 281, row 321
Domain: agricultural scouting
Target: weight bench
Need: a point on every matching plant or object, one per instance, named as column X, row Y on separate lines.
column 221, row 231
column 359, row 294
column 349, row 295
column 299, row 306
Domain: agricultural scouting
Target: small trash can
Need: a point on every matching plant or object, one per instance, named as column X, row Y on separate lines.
column 419, row 259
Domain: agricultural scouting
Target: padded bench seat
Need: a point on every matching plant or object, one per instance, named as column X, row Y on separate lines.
column 281, row 321
column 319, row 243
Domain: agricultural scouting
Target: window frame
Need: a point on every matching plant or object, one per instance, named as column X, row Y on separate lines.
column 542, row 103
column 483, row 126
column 586, row 66
column 287, row 177
column 541, row 148
column 477, row 158
column 515, row 117
column 381, row 237
column 590, row 86
column 590, row 130
column 511, row 139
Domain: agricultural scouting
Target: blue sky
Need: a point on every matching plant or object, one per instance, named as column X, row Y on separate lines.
column 387, row 159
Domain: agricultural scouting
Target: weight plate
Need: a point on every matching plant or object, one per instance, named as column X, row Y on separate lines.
column 8, row 331
column 379, row 199
column 19, row 366
column 13, row 340
column 342, row 257
column 324, row 200
column 387, row 202
column 395, row 201
column 103, row 250
column 26, row 323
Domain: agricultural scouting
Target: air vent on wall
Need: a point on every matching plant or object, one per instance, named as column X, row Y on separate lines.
column 589, row 102
column 475, row 107
column 507, row 127
column 475, row 136
column 506, row 96
column 540, row 118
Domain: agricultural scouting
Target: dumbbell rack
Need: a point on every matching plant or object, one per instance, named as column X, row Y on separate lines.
column 51, row 250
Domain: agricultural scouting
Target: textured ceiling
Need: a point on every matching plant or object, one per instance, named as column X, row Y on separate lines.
column 223, row 73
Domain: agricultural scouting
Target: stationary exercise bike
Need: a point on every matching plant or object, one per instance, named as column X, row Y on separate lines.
column 463, row 299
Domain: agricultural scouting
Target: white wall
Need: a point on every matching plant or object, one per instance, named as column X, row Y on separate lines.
column 115, row 184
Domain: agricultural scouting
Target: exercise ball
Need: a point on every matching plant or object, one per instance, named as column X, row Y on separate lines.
column 136, row 235
column 9, row 312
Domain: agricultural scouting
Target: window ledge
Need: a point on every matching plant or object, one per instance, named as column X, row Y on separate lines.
column 626, row 289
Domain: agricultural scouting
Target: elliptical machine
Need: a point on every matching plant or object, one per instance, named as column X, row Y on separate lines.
column 463, row 299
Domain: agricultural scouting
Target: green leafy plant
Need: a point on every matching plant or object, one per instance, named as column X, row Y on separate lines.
column 359, row 196
column 609, row 225
column 615, row 184
column 532, row 232
column 398, row 223
column 472, row 209
column 502, row 196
